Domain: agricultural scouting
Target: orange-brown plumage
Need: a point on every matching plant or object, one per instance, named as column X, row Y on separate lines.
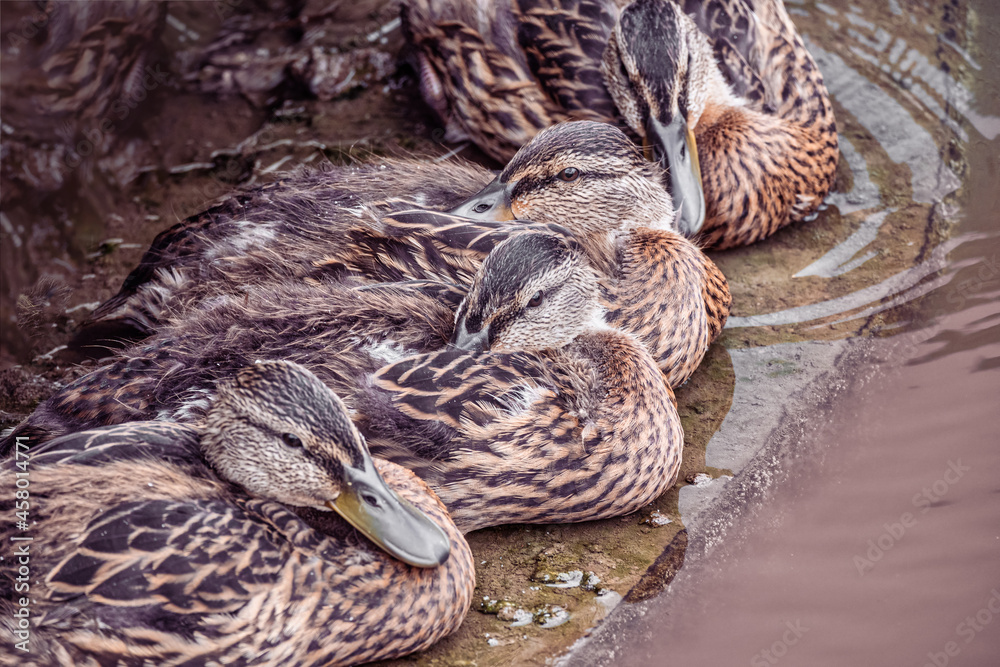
column 737, row 76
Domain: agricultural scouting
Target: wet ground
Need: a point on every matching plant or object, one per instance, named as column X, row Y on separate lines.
column 807, row 398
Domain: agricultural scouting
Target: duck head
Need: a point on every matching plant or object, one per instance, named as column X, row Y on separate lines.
column 281, row 434
column 661, row 72
column 533, row 291
column 576, row 167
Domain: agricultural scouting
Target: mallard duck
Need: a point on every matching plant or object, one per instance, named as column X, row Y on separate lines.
column 584, row 431
column 291, row 221
column 727, row 98
column 159, row 543
column 735, row 81
column 497, row 72
column 553, row 405
column 338, row 224
column 661, row 288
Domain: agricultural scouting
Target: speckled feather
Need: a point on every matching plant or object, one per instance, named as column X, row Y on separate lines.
column 320, row 226
column 776, row 161
column 586, row 432
column 339, row 331
column 672, row 297
column 500, row 71
column 435, row 411
column 276, row 230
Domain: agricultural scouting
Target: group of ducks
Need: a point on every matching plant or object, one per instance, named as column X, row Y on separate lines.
column 506, row 348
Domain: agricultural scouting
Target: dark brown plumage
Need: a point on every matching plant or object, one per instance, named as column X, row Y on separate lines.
column 660, row 288
column 276, row 230
column 500, row 71
column 147, row 552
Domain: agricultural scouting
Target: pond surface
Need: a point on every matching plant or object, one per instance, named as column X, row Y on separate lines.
column 839, row 499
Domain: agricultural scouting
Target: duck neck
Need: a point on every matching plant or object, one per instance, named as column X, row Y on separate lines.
column 671, row 297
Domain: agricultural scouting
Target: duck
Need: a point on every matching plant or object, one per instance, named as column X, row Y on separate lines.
column 267, row 531
column 498, row 72
column 567, row 419
column 724, row 94
column 393, row 221
column 308, row 209
column 661, row 288
column 532, row 388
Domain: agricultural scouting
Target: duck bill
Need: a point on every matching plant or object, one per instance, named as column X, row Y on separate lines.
column 675, row 148
column 490, row 203
column 470, row 342
column 389, row 521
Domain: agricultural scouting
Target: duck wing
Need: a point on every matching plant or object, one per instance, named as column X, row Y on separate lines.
column 164, row 441
column 479, row 85
column 421, row 245
column 273, row 231
column 763, row 57
column 338, row 331
column 563, row 41
column 434, row 411
column 739, row 40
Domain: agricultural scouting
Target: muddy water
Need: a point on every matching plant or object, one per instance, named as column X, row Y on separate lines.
column 853, row 373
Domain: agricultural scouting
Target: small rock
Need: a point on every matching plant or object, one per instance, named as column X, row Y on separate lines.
column 698, row 478
column 656, row 518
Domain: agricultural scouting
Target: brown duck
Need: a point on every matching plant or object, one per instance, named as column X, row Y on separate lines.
column 725, row 95
column 160, row 543
column 334, row 225
column 581, row 400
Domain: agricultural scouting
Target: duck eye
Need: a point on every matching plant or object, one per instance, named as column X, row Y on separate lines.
column 292, row 440
column 569, row 174
column 535, row 300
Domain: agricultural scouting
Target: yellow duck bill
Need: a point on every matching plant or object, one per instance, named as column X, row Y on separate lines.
column 388, row 520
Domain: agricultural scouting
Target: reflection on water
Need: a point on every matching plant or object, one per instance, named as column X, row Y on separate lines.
column 895, row 117
column 861, row 527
